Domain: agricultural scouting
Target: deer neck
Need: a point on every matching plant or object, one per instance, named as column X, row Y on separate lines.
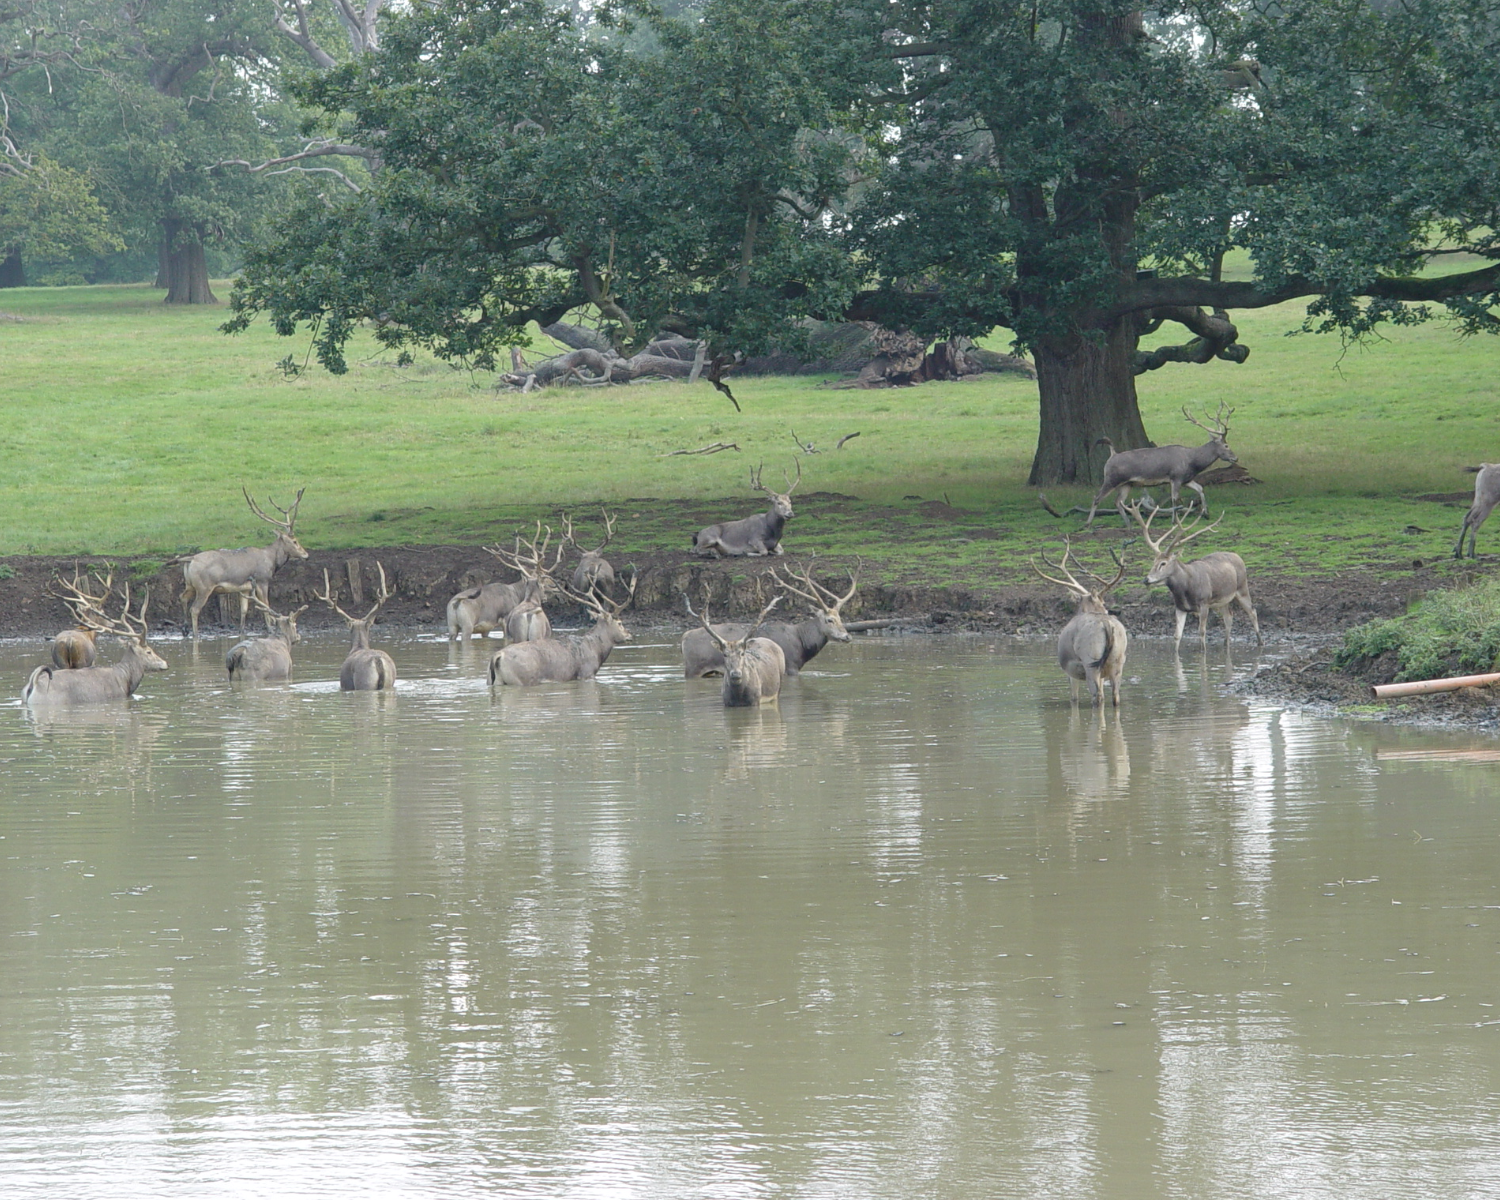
column 359, row 636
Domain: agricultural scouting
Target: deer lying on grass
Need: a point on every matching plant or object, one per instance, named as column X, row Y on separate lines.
column 1214, row 581
column 554, row 660
column 593, row 570
column 753, row 666
column 751, row 536
column 1091, row 647
column 365, row 669
column 266, row 659
column 99, row 685
column 245, row 573
column 799, row 642
column 1176, row 466
column 1486, row 496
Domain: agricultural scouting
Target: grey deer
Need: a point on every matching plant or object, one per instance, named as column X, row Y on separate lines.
column 266, row 659
column 1176, row 466
column 753, row 666
column 1210, row 583
column 1091, row 647
column 99, row 685
column 74, row 648
column 800, row 642
column 365, row 669
column 751, row 536
column 527, row 621
column 593, row 570
column 245, row 573
column 1486, row 496
column 558, row 660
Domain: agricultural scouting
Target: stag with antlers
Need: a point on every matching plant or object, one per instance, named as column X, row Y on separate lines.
column 755, row 536
column 559, row 660
column 753, row 666
column 527, row 621
column 1176, row 466
column 593, row 571
column 1091, row 647
column 98, row 685
column 266, row 659
column 365, row 669
column 245, row 573
column 77, row 647
column 1212, row 582
column 800, row 641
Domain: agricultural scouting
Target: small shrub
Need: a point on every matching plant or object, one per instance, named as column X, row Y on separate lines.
column 7, row 571
column 1448, row 633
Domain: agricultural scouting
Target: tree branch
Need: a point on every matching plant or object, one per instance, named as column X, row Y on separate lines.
column 1217, row 338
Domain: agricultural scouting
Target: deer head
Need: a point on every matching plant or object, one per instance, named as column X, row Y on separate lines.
column 825, row 602
column 1091, row 596
column 1217, row 428
column 360, row 626
column 281, row 625
column 781, row 502
column 285, row 526
column 1164, row 548
column 606, row 612
column 609, row 533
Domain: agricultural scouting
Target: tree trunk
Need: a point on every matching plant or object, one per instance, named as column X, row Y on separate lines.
column 186, row 266
column 12, row 269
column 1087, row 392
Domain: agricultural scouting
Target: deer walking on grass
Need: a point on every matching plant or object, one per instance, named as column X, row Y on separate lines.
column 800, row 641
column 1176, row 466
column 94, row 684
column 245, row 573
column 1211, row 583
column 1091, row 647
column 753, row 666
column 1486, row 496
column 754, row 536
column 266, row 659
column 365, row 669
column 560, row 660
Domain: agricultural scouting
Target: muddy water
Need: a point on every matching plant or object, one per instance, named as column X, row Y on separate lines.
column 926, row 931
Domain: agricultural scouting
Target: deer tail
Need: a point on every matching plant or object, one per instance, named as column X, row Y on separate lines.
column 1109, row 646
column 1106, row 442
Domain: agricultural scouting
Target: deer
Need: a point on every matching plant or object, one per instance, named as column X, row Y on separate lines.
column 75, row 648
column 1212, row 582
column 99, row 685
column 365, row 669
column 1176, row 466
column 556, row 660
column 752, row 537
column 245, row 573
column 1486, row 496
column 753, row 666
column 266, row 659
column 1091, row 647
column 799, row 642
column 527, row 621
column 593, row 569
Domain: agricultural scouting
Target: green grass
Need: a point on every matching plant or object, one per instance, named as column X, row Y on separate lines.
column 1453, row 632
column 130, row 427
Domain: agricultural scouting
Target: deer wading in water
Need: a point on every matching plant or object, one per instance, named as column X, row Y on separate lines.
column 1210, row 583
column 753, row 666
column 99, row 685
column 1091, row 647
column 266, row 659
column 365, row 669
column 245, row 573
column 558, row 660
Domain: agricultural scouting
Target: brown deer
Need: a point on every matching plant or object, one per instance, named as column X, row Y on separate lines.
column 99, row 685
column 1212, row 582
column 527, row 621
column 593, row 570
column 753, row 666
column 1091, row 647
column 245, row 573
column 266, row 659
column 74, row 648
column 751, row 536
column 1176, row 466
column 800, row 642
column 365, row 669
column 558, row 660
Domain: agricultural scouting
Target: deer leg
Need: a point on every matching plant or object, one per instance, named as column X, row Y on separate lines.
column 1243, row 600
column 1227, row 616
column 1203, row 627
column 197, row 608
column 1096, row 687
column 1181, row 624
column 1202, row 499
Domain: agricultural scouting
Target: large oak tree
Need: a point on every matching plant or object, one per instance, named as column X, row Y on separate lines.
column 1075, row 171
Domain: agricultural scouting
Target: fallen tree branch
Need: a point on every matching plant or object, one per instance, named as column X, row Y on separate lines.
column 713, row 448
column 848, row 437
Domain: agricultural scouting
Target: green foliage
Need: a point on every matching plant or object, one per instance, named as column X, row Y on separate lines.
column 7, row 571
column 49, row 211
column 1453, row 632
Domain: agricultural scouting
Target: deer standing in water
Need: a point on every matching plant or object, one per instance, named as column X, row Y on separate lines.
column 1091, row 647
column 753, row 666
column 558, row 660
column 593, row 571
column 1212, row 582
column 365, row 669
column 245, row 573
column 800, row 641
column 1176, row 466
column 74, row 648
column 266, row 659
column 527, row 621
column 99, row 685
column 751, row 536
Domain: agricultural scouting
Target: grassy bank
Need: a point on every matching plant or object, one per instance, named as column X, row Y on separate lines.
column 130, row 426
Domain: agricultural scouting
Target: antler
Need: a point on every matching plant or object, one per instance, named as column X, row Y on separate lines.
column 598, row 604
column 88, row 609
column 703, row 619
column 755, row 482
column 1070, row 582
column 1220, row 426
column 533, row 566
column 609, row 533
column 289, row 513
column 791, row 485
column 329, row 597
column 1176, row 537
column 76, row 596
column 821, row 596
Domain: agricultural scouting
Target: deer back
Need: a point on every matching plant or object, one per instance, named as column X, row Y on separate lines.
column 74, row 648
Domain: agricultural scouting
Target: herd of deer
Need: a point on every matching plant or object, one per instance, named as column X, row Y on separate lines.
column 752, row 658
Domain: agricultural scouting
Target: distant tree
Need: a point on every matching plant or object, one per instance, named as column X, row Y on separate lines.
column 48, row 211
column 1075, row 171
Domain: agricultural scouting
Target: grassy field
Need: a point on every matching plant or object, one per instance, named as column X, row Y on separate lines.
column 130, row 427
